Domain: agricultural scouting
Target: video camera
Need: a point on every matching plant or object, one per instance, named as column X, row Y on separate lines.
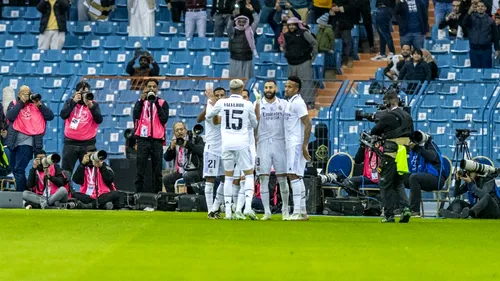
column 468, row 166
column 359, row 115
column 50, row 160
column 370, row 141
column 197, row 130
column 420, row 137
column 463, row 134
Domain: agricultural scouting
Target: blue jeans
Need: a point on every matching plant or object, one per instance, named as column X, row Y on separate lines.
column 20, row 157
column 441, row 10
column 414, row 39
column 480, row 58
column 383, row 24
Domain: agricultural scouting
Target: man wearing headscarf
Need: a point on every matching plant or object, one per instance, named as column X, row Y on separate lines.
column 242, row 44
column 143, row 70
column 141, row 14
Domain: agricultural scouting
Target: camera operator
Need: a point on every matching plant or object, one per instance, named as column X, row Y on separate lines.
column 371, row 163
column 187, row 152
column 150, row 118
column 425, row 167
column 96, row 180
column 396, row 126
column 82, row 116
column 28, row 116
column 484, row 202
column 45, row 177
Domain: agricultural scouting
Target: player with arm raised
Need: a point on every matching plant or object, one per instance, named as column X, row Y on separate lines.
column 237, row 114
column 212, row 162
column 271, row 151
column 297, row 132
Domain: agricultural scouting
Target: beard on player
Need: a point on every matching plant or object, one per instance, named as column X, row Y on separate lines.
column 270, row 94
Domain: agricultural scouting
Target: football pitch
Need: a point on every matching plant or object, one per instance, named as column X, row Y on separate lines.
column 126, row 245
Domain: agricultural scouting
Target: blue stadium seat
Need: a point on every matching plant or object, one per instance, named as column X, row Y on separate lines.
column 32, row 14
column 66, row 69
column 183, row 57
column 128, row 96
column 81, row 28
column 191, row 110
column 18, row 27
column 157, row 43
column 176, row 71
column 52, row 56
column 34, row 28
column 448, row 74
column 435, row 33
column 54, row 83
column 182, row 85
column 12, row 13
column 166, row 29
column 161, row 57
column 71, row 42
column 23, row 69
column 5, row 68
column 267, row 58
column 461, row 60
column 129, row 45
column 441, row 46
column 221, row 71
column 264, row 44
column 222, row 58
column 123, row 110
column 118, row 57
column 3, row 26
column 27, row 42
column 490, row 74
column 44, row 68
column 173, row 97
column 265, row 72
column 198, row 44
column 201, row 71
column 122, row 29
column 112, row 69
column 113, row 42
column 92, row 42
column 470, row 75
column 121, row 3
column 10, row 55
column 443, row 60
column 178, row 44
column 89, row 69
column 460, row 47
column 219, row 44
column 203, row 59
column 105, row 28
column 120, row 15
column 75, row 56
column 95, row 56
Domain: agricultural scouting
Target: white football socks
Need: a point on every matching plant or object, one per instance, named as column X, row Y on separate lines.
column 209, row 195
column 264, row 193
column 249, row 190
column 296, row 191
column 228, row 195
column 236, row 191
column 303, row 209
column 241, row 198
column 219, row 197
column 285, row 193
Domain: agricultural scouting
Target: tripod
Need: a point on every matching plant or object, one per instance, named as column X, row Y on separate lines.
column 461, row 150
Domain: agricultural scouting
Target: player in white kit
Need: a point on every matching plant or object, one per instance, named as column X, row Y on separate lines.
column 212, row 161
column 237, row 115
column 239, row 177
column 297, row 131
column 271, row 151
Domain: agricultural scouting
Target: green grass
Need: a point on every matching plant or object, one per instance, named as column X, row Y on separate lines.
column 107, row 245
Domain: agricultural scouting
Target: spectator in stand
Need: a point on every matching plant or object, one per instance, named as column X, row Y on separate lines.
column 99, row 10
column 300, row 49
column 432, row 64
column 196, row 15
column 397, row 62
column 441, row 9
column 143, row 70
column 177, row 8
column 383, row 25
column 482, row 34
column 141, row 14
column 496, row 62
column 244, row 11
column 302, row 7
column 321, row 7
column 280, row 28
column 363, row 8
column 417, row 69
column 269, row 6
column 453, row 21
column 83, row 10
column 342, row 13
column 413, row 23
column 52, row 24
column 325, row 36
column 242, row 45
column 221, row 13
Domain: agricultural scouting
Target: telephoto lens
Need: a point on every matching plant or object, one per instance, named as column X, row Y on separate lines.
column 89, row 96
column 151, row 96
column 35, row 97
column 179, row 141
column 100, row 155
column 51, row 159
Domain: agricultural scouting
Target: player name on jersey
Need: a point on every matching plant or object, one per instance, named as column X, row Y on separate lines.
column 230, row 104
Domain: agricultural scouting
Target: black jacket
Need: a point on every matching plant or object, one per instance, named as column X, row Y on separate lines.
column 61, row 7
column 393, row 126
column 434, row 70
column 58, row 179
column 107, row 174
column 419, row 72
column 68, row 107
column 386, row 3
column 345, row 20
column 162, row 111
column 13, row 112
column 401, row 13
column 482, row 31
column 222, row 7
column 194, row 149
column 453, row 25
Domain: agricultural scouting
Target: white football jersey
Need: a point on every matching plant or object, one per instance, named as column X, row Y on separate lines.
column 271, row 124
column 213, row 138
column 294, row 129
column 237, row 116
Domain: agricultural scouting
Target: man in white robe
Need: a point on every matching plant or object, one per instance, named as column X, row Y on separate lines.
column 141, row 14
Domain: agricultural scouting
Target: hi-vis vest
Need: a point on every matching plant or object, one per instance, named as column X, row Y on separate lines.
column 30, row 120
column 144, row 126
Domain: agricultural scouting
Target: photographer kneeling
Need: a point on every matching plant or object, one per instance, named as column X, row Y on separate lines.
column 426, row 169
column 46, row 184
column 96, row 179
column 483, row 192
column 396, row 126
column 371, row 162
column 186, row 149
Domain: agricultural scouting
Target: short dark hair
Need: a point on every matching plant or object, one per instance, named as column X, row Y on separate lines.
column 219, row 89
column 82, row 85
column 271, row 81
column 41, row 151
column 391, row 94
column 245, row 90
column 418, row 51
column 296, row 80
column 152, row 80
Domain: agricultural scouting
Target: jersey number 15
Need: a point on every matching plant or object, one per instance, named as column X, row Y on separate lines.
column 234, row 119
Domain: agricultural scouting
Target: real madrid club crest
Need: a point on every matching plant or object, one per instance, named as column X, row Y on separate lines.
column 280, row 108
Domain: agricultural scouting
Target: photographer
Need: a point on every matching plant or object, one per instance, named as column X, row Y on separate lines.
column 396, row 127
column 483, row 193
column 96, row 180
column 45, row 177
column 425, row 167
column 144, row 69
column 371, row 163
column 28, row 117
column 150, row 118
column 187, row 152
column 82, row 116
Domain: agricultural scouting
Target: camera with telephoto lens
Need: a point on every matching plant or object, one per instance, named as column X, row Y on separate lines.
column 360, row 115
column 419, row 137
column 100, row 155
column 370, row 141
column 88, row 95
column 197, row 130
column 473, row 166
column 336, row 178
column 34, row 97
column 151, row 96
column 50, row 160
